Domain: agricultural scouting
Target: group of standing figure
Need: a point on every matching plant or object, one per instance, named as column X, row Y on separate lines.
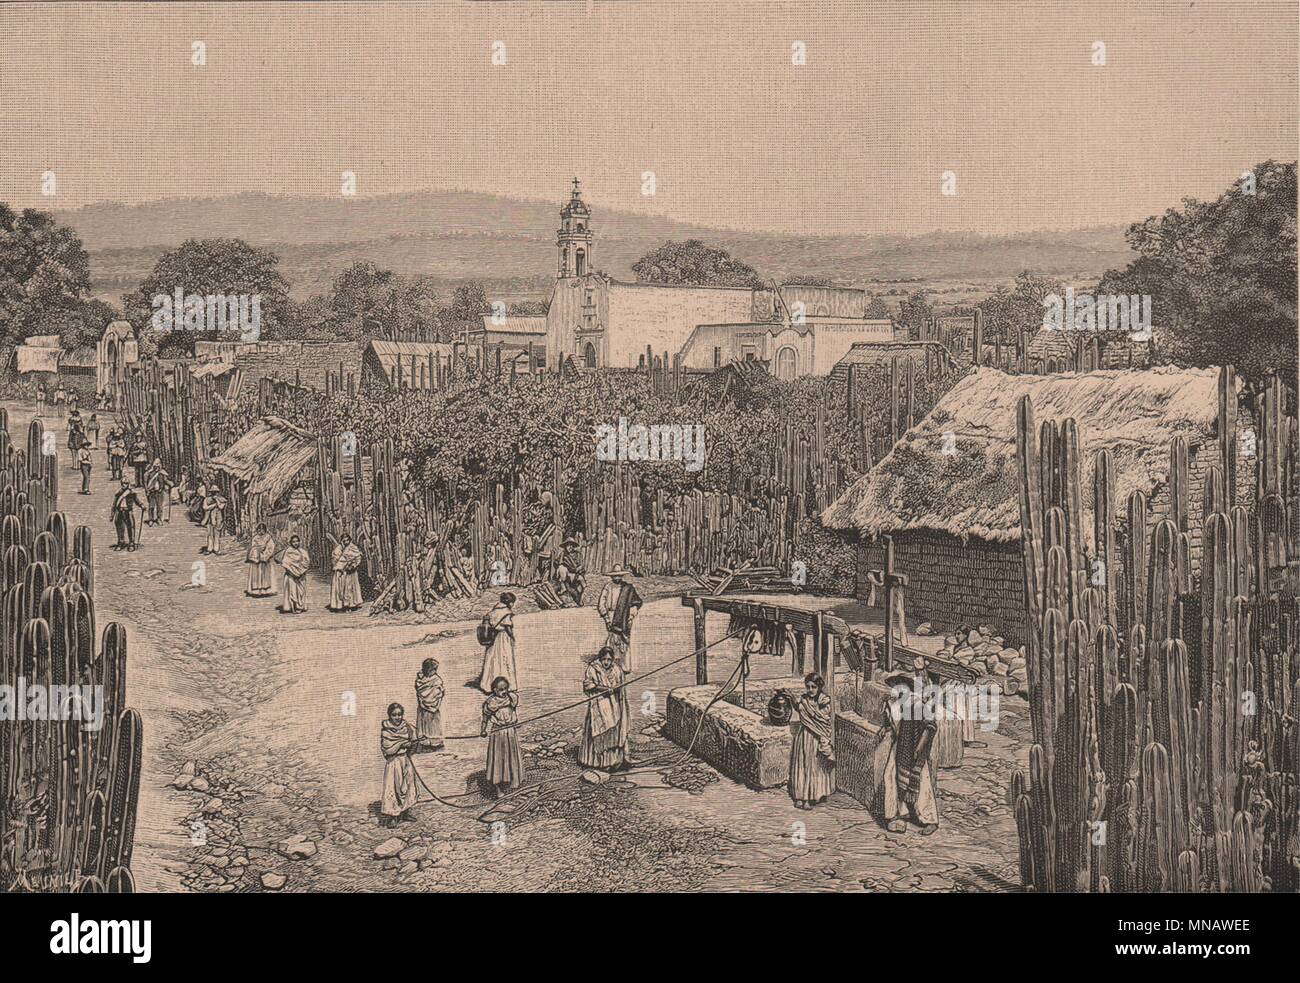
column 909, row 790
column 295, row 561
column 605, row 736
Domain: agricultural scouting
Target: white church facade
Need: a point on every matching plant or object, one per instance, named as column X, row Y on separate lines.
column 596, row 321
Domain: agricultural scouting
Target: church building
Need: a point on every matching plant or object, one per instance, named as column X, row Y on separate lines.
column 596, row 321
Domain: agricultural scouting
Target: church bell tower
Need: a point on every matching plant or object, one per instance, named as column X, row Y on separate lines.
column 574, row 239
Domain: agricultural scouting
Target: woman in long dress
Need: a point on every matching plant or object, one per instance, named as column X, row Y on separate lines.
column 396, row 739
column 812, row 759
column 505, row 765
column 429, row 693
column 909, row 786
column 261, row 548
column 345, row 589
column 604, row 733
column 499, row 656
column 296, row 560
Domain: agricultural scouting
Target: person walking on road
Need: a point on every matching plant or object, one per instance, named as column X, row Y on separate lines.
column 84, row 463
column 125, row 503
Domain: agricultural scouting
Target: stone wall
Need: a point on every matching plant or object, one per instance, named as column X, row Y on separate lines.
column 309, row 361
column 744, row 746
column 952, row 582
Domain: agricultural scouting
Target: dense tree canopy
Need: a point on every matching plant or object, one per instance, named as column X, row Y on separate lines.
column 204, row 267
column 1222, row 275
column 692, row 262
column 44, row 280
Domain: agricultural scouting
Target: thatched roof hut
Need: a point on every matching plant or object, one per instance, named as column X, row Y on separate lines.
column 955, row 472
column 268, row 459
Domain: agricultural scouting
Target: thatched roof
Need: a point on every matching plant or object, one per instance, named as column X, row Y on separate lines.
column 975, row 491
column 269, row 457
column 37, row 358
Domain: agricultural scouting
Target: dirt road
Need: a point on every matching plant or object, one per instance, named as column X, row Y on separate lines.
column 278, row 717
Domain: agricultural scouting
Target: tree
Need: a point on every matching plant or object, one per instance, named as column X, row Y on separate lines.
column 1222, row 275
column 1007, row 312
column 877, row 308
column 44, row 276
column 692, row 262
column 527, row 308
column 913, row 311
column 808, row 280
column 202, row 268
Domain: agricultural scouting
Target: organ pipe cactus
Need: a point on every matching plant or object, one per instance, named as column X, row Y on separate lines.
column 1176, row 740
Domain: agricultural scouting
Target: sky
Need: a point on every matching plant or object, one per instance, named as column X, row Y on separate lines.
column 705, row 96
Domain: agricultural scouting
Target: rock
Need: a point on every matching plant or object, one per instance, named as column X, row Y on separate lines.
column 185, row 777
column 410, row 867
column 992, row 663
column 1016, row 663
column 974, row 638
column 417, row 851
column 273, row 882
column 391, row 847
column 595, row 777
column 999, row 669
column 297, row 848
column 212, row 805
column 924, row 628
column 199, row 784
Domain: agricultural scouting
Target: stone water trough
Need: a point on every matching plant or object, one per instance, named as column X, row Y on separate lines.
column 745, row 746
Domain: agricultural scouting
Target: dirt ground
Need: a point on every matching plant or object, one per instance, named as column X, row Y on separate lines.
column 277, row 718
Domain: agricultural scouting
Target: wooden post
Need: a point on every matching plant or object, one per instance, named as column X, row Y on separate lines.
column 887, row 580
column 825, row 662
column 701, row 656
column 893, row 401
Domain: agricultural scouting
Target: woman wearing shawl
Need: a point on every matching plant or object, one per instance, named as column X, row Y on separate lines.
column 909, row 784
column 294, row 563
column 499, row 656
column 395, row 740
column 345, row 590
column 604, row 735
column 429, row 692
column 505, row 765
column 812, row 759
column 261, row 548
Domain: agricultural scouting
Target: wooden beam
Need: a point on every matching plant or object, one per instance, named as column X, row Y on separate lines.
column 701, row 656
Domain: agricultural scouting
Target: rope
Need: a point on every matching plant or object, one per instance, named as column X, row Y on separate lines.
column 739, row 673
column 586, row 700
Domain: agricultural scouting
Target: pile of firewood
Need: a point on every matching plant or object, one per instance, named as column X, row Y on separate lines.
column 745, row 579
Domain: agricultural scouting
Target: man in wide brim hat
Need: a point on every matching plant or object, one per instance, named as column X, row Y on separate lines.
column 618, row 605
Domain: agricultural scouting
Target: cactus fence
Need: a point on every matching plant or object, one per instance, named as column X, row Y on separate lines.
column 68, row 791
column 1166, row 749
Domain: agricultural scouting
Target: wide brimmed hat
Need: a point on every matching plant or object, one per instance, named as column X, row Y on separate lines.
column 570, row 542
column 620, row 572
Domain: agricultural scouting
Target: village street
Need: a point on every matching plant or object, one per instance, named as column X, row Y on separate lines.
column 279, row 718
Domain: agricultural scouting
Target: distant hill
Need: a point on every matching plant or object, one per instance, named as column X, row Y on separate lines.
column 510, row 243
